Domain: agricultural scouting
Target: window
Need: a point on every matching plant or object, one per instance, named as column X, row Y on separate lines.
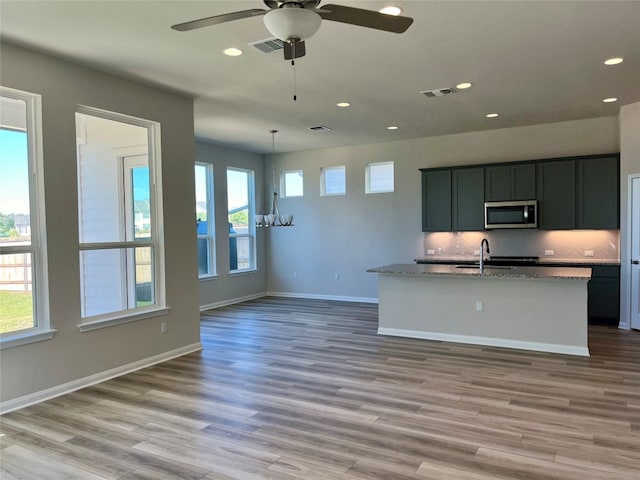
column 291, row 183
column 333, row 181
column 379, row 177
column 205, row 220
column 24, row 315
column 241, row 207
column 119, row 214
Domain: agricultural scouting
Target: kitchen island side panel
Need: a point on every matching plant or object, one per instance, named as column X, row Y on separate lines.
column 532, row 314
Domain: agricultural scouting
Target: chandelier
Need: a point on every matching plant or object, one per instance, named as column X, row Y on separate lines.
column 273, row 218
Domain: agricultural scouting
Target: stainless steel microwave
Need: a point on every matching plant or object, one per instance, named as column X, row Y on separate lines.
column 520, row 214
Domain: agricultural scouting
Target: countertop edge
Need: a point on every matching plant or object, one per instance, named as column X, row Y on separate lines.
column 533, row 272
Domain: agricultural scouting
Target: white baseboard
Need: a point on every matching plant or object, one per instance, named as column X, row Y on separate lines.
column 323, row 297
column 231, row 301
column 313, row 296
column 49, row 393
column 487, row 341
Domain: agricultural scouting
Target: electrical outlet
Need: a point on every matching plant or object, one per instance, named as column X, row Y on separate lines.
column 548, row 253
column 476, row 252
column 588, row 253
column 479, row 306
column 163, row 328
column 431, row 252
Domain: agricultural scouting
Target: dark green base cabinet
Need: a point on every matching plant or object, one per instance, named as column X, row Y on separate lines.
column 604, row 295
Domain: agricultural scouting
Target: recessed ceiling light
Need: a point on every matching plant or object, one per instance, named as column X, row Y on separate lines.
column 491, row 115
column 395, row 11
column 232, row 52
column 343, row 104
column 462, row 86
column 392, row 127
column 614, row 61
column 610, row 100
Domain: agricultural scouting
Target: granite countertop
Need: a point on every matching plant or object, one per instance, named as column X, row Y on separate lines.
column 412, row 269
column 544, row 261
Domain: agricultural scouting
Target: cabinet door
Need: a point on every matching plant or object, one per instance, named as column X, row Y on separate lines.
column 468, row 199
column 436, row 201
column 598, row 193
column 604, row 295
column 523, row 181
column 497, row 183
column 510, row 182
column 557, row 195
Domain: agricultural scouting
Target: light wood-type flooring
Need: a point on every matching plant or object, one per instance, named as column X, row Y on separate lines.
column 305, row 389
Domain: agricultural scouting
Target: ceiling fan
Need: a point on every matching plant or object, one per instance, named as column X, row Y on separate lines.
column 296, row 20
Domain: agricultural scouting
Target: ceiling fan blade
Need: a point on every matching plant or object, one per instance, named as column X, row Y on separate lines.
column 216, row 19
column 365, row 18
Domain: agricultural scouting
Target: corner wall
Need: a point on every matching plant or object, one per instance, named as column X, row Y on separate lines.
column 342, row 236
column 629, row 164
column 71, row 358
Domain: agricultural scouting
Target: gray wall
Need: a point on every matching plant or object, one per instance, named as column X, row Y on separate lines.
column 226, row 288
column 72, row 355
column 346, row 235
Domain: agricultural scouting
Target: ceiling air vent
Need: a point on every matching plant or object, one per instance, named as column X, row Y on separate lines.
column 269, row 45
column 439, row 92
column 320, row 128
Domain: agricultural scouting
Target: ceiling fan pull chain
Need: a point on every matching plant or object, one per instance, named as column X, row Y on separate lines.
column 293, row 64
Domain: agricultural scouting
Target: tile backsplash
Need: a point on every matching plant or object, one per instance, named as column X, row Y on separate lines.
column 565, row 244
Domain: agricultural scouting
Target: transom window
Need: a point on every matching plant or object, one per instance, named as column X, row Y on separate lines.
column 379, row 177
column 291, row 183
column 333, row 181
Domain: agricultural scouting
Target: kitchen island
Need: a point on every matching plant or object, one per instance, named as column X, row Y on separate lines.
column 530, row 308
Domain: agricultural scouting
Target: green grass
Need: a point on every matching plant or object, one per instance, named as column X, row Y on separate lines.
column 16, row 311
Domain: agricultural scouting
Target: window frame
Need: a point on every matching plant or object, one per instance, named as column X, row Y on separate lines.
column 367, row 181
column 37, row 248
column 323, row 181
column 283, row 183
column 251, row 227
column 210, row 236
column 156, row 241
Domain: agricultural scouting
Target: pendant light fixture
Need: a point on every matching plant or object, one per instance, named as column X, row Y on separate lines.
column 273, row 218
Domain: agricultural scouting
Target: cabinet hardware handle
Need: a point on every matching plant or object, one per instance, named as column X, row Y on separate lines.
column 635, row 262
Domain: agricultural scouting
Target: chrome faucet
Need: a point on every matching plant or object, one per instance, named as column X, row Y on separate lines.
column 482, row 245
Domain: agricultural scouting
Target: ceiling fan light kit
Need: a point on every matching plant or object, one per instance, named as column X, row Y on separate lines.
column 292, row 24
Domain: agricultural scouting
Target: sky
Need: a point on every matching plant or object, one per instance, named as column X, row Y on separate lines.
column 14, row 172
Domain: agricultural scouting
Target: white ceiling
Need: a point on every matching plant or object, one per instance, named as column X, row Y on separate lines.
column 531, row 61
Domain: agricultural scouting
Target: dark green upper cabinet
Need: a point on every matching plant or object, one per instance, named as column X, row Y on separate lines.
column 598, row 189
column 510, row 182
column 557, row 195
column 468, row 199
column 436, row 200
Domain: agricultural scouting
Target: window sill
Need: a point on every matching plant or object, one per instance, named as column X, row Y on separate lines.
column 26, row 338
column 111, row 322
column 208, row 277
column 248, row 271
